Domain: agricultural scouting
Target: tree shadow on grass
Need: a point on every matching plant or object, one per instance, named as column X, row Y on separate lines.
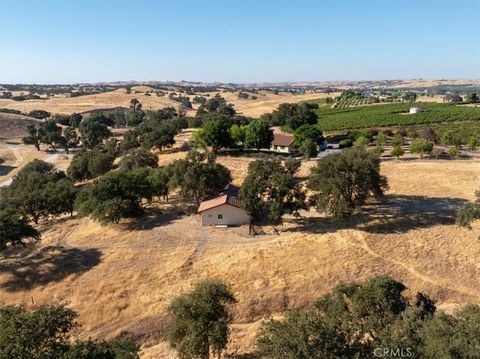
column 397, row 214
column 5, row 170
column 156, row 217
column 31, row 267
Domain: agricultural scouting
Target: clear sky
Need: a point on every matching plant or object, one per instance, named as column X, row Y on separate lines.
column 68, row 41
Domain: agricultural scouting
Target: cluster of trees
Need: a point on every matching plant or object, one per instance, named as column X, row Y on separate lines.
column 121, row 194
column 51, row 134
column 353, row 320
column 89, row 164
column 222, row 128
column 471, row 97
column 158, row 130
column 45, row 332
column 361, row 320
column 293, row 115
column 37, row 191
column 422, row 142
column 90, row 132
column 338, row 184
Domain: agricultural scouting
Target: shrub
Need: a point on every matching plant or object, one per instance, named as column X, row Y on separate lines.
column 397, row 151
column 453, row 151
column 421, row 146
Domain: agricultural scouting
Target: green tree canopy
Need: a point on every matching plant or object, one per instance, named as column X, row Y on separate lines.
column 50, row 133
column 116, row 195
column 293, row 115
column 45, row 332
column 197, row 178
column 200, row 320
column 258, row 135
column 93, row 132
column 216, row 134
column 341, row 182
column 472, row 97
column 138, row 158
column 397, row 151
column 38, row 190
column 421, row 146
column 216, row 104
column 135, row 105
column 270, row 190
column 237, row 133
column 75, row 119
column 15, row 229
column 88, row 164
column 355, row 319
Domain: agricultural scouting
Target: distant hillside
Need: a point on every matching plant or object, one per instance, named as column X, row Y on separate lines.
column 13, row 126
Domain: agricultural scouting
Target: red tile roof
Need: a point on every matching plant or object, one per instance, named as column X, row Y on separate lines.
column 280, row 139
column 228, row 196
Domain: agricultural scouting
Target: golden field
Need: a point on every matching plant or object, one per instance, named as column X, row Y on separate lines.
column 266, row 102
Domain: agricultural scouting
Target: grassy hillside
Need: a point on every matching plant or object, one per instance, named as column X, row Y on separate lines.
column 121, row 278
column 393, row 115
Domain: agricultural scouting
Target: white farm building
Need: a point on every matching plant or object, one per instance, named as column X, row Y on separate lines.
column 413, row 110
column 224, row 209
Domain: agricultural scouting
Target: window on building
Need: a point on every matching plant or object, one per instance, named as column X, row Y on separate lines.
column 220, row 216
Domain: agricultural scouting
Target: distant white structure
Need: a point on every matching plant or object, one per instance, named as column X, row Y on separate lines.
column 224, row 209
column 413, row 110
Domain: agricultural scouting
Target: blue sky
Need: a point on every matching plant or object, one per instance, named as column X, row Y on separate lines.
column 68, row 41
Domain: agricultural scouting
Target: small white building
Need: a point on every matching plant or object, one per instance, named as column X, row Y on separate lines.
column 224, row 209
column 282, row 143
column 413, row 110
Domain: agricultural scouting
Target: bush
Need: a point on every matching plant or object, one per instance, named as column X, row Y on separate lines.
column 436, row 152
column 469, row 212
column 453, row 151
column 397, row 152
column 362, row 141
column 421, row 146
column 40, row 114
column 345, row 143
column 473, row 143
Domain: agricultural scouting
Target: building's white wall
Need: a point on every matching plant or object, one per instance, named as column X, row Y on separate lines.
column 281, row 149
column 232, row 216
column 415, row 110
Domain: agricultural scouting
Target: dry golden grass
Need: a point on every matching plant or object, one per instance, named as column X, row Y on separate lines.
column 120, row 278
column 266, row 101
